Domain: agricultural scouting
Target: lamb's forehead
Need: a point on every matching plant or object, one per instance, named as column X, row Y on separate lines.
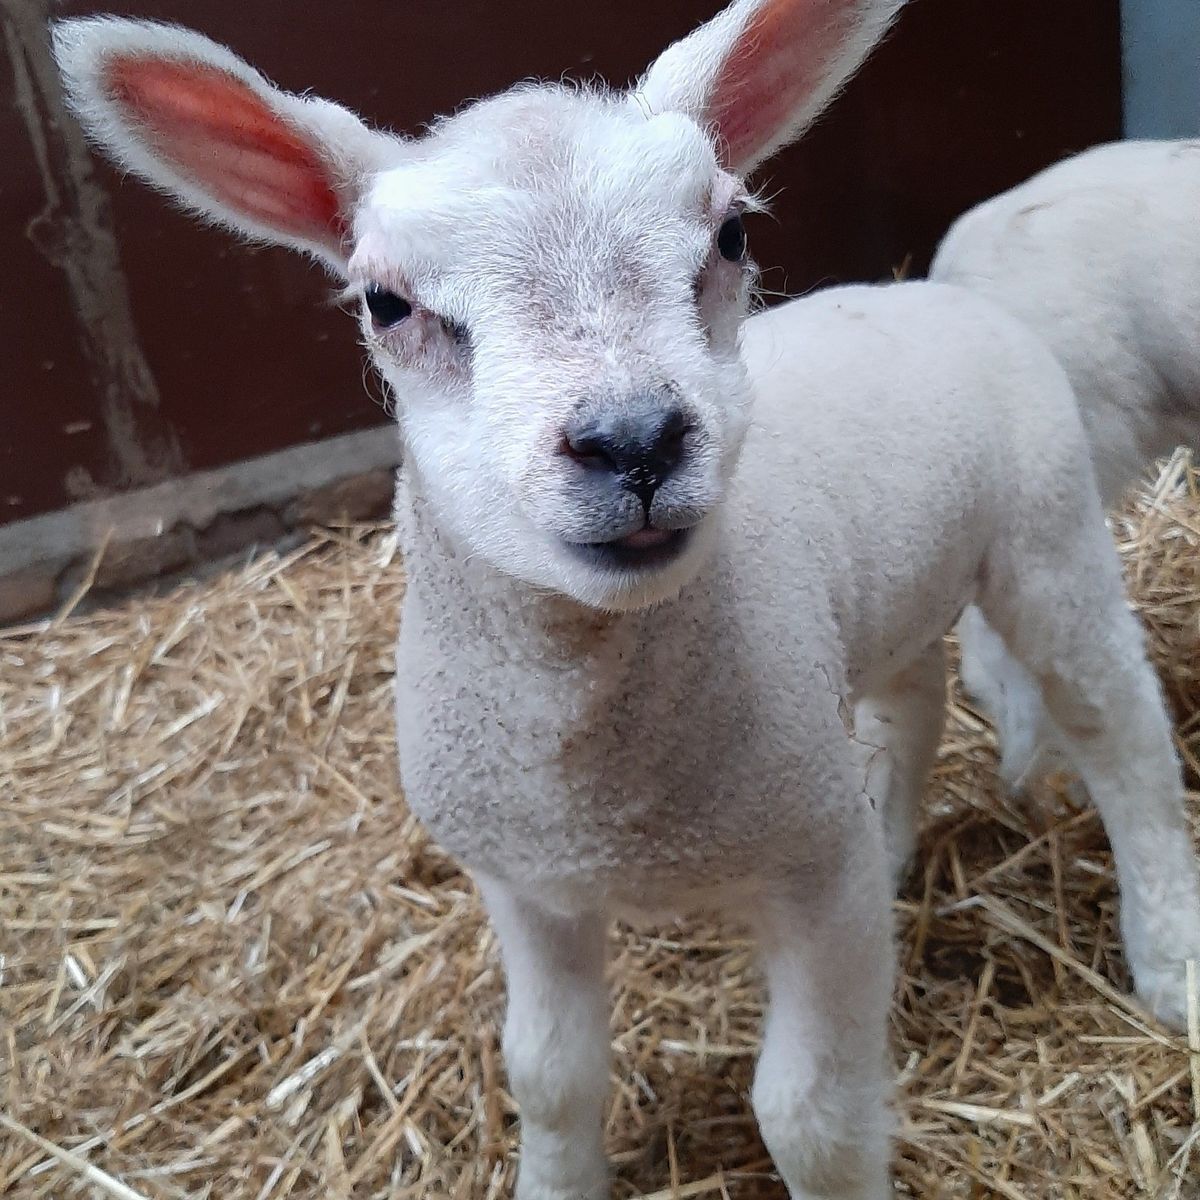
column 551, row 158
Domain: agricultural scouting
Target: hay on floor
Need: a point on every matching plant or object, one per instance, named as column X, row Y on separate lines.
column 232, row 966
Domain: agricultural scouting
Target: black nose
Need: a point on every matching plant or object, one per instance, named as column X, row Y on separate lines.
column 641, row 443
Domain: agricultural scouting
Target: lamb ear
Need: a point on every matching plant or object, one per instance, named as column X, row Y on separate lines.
column 194, row 120
column 760, row 72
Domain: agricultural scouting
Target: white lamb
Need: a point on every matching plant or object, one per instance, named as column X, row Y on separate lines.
column 627, row 664
column 1101, row 256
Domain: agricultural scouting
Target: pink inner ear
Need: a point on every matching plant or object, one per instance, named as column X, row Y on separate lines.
column 779, row 61
column 223, row 137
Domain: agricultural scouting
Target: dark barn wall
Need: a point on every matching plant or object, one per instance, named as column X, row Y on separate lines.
column 138, row 346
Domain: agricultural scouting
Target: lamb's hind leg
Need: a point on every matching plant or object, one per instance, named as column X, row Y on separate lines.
column 1065, row 617
column 1008, row 695
column 899, row 727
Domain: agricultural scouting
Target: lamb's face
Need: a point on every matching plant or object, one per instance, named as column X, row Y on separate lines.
column 558, row 318
column 552, row 281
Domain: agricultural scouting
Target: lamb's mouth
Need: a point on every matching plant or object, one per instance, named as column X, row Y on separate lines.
column 648, row 547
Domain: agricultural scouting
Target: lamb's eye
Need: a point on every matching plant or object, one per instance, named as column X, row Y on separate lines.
column 731, row 239
column 386, row 308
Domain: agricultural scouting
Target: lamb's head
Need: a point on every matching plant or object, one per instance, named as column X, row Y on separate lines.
column 551, row 281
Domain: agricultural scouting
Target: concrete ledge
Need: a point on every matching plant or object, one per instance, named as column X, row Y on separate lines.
column 193, row 520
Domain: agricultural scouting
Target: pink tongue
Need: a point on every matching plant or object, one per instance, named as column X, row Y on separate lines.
column 646, row 537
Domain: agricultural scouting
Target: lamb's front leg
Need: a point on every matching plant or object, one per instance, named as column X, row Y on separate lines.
column 822, row 1089
column 556, row 1044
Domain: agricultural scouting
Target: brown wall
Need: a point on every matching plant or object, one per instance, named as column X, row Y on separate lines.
column 137, row 346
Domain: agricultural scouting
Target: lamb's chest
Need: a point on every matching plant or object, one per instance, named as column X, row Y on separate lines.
column 597, row 770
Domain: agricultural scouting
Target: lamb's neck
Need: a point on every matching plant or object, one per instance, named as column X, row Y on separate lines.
column 465, row 593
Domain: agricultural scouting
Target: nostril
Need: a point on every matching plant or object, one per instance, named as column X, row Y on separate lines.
column 668, row 446
column 590, row 447
column 675, row 424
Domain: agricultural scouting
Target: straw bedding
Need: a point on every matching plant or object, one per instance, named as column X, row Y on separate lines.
column 232, row 966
